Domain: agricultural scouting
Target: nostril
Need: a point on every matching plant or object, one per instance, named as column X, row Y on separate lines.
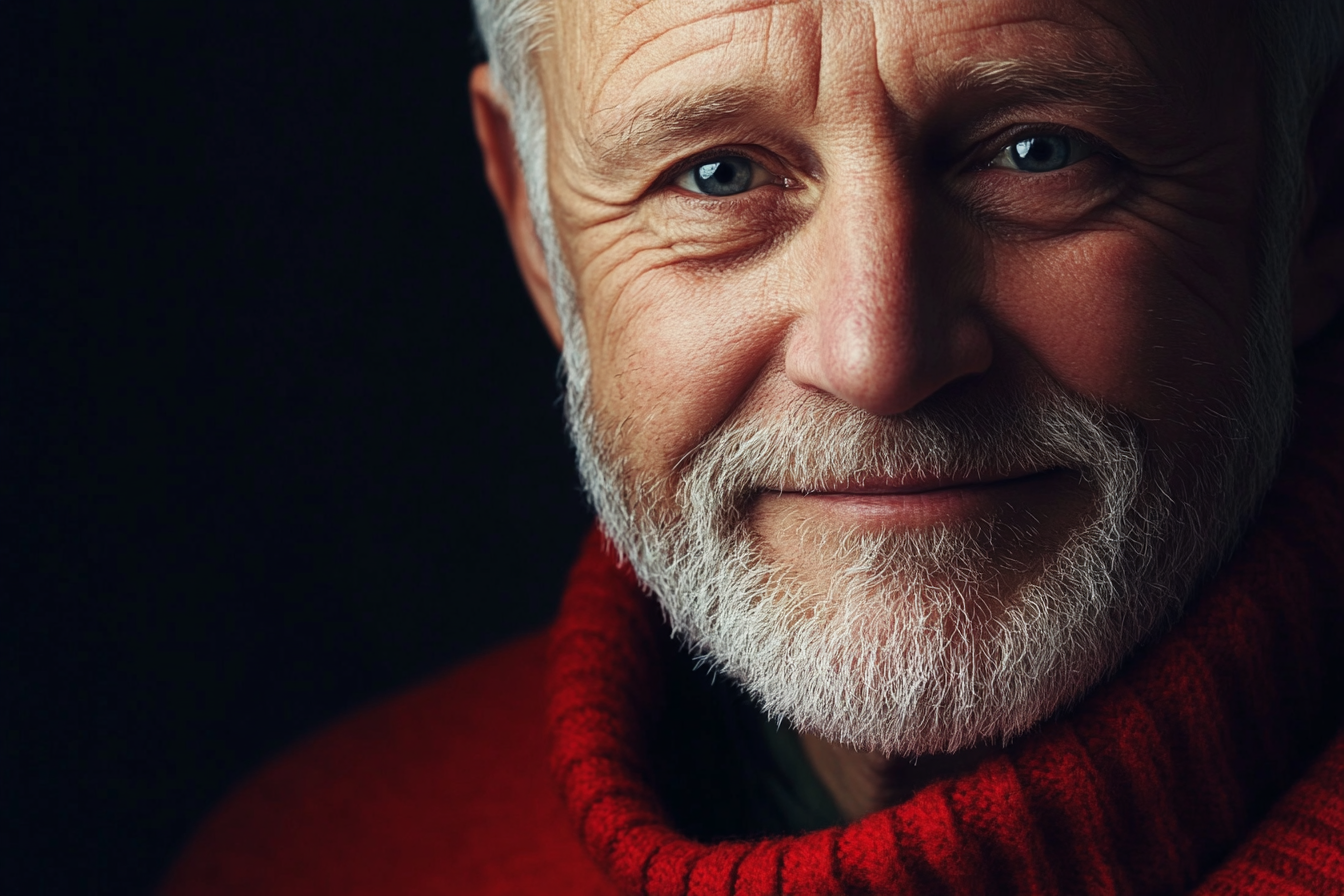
column 886, row 367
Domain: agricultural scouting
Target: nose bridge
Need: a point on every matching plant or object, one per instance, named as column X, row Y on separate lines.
column 868, row 290
column 883, row 330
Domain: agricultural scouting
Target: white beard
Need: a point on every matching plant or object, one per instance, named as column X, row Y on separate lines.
column 913, row 648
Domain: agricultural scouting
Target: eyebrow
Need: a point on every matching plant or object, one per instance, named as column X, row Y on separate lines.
column 1084, row 78
column 663, row 123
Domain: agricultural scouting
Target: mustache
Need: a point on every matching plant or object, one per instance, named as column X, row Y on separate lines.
column 815, row 442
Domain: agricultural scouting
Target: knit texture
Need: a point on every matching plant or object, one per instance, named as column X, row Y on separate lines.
column 1192, row 770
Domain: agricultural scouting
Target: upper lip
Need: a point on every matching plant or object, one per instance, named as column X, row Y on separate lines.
column 914, row 484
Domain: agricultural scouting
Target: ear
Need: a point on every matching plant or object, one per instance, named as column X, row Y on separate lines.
column 504, row 174
column 1318, row 264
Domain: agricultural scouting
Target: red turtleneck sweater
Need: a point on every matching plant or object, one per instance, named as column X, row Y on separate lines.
column 1208, row 765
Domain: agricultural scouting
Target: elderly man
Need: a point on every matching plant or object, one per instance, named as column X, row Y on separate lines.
column 929, row 365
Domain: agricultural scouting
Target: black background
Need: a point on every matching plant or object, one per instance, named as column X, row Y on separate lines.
column 280, row 432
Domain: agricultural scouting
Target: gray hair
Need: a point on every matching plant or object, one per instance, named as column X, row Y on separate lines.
column 513, row 31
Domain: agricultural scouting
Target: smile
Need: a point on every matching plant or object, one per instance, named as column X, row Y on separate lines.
column 928, row 501
column 920, row 485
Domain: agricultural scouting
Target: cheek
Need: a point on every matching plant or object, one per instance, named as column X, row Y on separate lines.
column 1116, row 317
column 674, row 353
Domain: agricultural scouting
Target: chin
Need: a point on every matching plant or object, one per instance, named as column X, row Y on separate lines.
column 933, row 629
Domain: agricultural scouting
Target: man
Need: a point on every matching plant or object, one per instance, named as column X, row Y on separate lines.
column 929, row 365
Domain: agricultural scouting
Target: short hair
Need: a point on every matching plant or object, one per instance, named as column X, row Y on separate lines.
column 512, row 32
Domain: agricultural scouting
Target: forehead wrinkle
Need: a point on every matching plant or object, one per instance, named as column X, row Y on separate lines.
column 1091, row 44
column 664, row 64
column 680, row 110
column 736, row 9
column 724, row 7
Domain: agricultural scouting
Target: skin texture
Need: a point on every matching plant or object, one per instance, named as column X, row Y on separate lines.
column 885, row 253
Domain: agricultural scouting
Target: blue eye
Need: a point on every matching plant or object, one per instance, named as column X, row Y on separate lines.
column 726, row 176
column 1041, row 153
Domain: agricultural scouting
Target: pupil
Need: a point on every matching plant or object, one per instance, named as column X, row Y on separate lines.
column 724, row 177
column 1041, row 153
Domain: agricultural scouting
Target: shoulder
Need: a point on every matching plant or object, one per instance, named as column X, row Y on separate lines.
column 442, row 789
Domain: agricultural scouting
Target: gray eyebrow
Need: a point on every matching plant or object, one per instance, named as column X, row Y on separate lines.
column 664, row 122
column 652, row 125
column 1087, row 79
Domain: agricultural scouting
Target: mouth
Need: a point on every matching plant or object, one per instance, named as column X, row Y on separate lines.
column 918, row 501
column 923, row 485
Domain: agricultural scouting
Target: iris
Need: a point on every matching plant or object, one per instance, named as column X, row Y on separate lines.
column 724, row 177
column 1043, row 153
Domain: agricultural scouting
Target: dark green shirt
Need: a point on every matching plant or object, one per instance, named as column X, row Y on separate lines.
column 723, row 768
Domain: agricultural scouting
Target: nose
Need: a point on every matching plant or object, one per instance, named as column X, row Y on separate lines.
column 890, row 318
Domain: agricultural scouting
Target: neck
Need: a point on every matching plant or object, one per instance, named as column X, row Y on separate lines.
column 863, row 782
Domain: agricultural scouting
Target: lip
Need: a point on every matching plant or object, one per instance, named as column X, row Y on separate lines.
column 918, row 485
column 920, row 501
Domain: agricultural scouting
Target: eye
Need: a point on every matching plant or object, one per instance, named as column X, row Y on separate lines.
column 723, row 176
column 1041, row 153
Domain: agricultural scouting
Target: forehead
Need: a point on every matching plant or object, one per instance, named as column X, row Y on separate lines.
column 610, row 61
column 608, row 57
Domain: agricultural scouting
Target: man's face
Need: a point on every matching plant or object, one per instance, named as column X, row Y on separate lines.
column 901, row 298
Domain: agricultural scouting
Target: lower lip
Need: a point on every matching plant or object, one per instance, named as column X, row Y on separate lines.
column 953, row 504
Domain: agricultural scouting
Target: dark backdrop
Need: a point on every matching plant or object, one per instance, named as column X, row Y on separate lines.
column 279, row 429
